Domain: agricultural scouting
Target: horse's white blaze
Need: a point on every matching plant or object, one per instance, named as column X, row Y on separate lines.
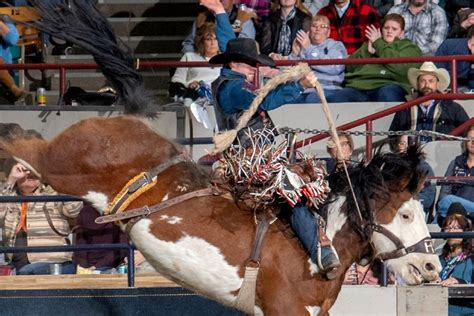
column 336, row 218
column 99, row 200
column 165, row 198
column 313, row 310
column 190, row 261
column 410, row 227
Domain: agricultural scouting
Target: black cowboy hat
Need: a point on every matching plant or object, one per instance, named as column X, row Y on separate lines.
column 243, row 50
column 457, row 208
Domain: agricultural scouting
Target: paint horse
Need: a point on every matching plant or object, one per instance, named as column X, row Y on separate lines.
column 204, row 242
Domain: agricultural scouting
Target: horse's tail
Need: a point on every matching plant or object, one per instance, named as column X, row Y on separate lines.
column 81, row 23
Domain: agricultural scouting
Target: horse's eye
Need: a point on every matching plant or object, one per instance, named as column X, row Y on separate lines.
column 405, row 216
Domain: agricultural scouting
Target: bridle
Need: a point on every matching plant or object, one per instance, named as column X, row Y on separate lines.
column 424, row 246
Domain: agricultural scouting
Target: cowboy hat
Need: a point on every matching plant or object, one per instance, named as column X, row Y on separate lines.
column 243, row 50
column 429, row 68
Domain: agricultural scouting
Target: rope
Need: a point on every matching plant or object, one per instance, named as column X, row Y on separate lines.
column 335, row 137
column 224, row 140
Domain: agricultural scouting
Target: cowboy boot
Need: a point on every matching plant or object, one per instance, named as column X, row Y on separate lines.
column 310, row 229
column 327, row 258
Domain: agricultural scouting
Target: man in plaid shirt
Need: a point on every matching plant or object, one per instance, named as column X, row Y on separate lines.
column 425, row 24
column 349, row 20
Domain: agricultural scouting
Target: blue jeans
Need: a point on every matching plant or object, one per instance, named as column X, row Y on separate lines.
column 313, row 97
column 387, row 93
column 303, row 222
column 43, row 268
column 446, row 202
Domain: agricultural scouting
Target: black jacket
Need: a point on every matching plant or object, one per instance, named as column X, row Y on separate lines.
column 447, row 116
column 271, row 30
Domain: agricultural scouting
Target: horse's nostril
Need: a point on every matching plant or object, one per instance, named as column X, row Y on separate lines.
column 430, row 267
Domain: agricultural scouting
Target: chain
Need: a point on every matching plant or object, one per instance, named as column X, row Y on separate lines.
column 289, row 130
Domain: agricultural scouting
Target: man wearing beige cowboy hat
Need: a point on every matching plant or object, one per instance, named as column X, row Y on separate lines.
column 434, row 115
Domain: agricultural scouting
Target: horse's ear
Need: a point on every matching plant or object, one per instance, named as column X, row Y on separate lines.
column 415, row 155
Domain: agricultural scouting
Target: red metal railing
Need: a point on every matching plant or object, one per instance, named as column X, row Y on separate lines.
column 366, row 120
column 168, row 64
column 370, row 118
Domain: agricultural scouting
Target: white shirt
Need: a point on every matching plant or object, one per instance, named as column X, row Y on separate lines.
column 187, row 75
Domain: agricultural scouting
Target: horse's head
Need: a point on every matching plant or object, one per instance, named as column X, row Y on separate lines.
column 399, row 231
column 386, row 216
column 407, row 246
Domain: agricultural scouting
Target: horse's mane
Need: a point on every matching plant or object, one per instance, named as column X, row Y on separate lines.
column 81, row 23
column 375, row 179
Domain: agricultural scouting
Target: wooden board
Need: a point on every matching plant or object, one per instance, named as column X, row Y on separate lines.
column 81, row 281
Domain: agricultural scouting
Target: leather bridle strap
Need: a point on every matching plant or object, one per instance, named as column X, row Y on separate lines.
column 147, row 210
column 145, row 179
column 423, row 246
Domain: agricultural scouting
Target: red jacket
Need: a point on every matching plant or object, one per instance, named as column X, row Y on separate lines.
column 350, row 29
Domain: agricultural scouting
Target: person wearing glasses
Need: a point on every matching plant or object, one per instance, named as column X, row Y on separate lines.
column 462, row 166
column 187, row 80
column 456, row 258
column 380, row 82
column 316, row 44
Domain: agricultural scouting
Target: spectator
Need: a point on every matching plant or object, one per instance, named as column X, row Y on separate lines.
column 347, row 146
column 465, row 70
column 261, row 7
column 461, row 166
column 89, row 233
column 462, row 23
column 428, row 193
column 9, row 37
column 382, row 6
column 453, row 7
column 286, row 18
column 434, row 115
column 426, row 24
column 349, row 21
column 456, row 259
column 186, row 80
column 380, row 82
column 361, row 275
column 318, row 45
column 313, row 6
column 35, row 224
column 241, row 22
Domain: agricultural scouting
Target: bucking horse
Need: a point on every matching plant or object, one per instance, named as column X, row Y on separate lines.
column 196, row 235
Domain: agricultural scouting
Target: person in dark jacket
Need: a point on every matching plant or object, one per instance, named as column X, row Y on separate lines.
column 462, row 166
column 433, row 115
column 90, row 233
column 279, row 30
column 456, row 259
